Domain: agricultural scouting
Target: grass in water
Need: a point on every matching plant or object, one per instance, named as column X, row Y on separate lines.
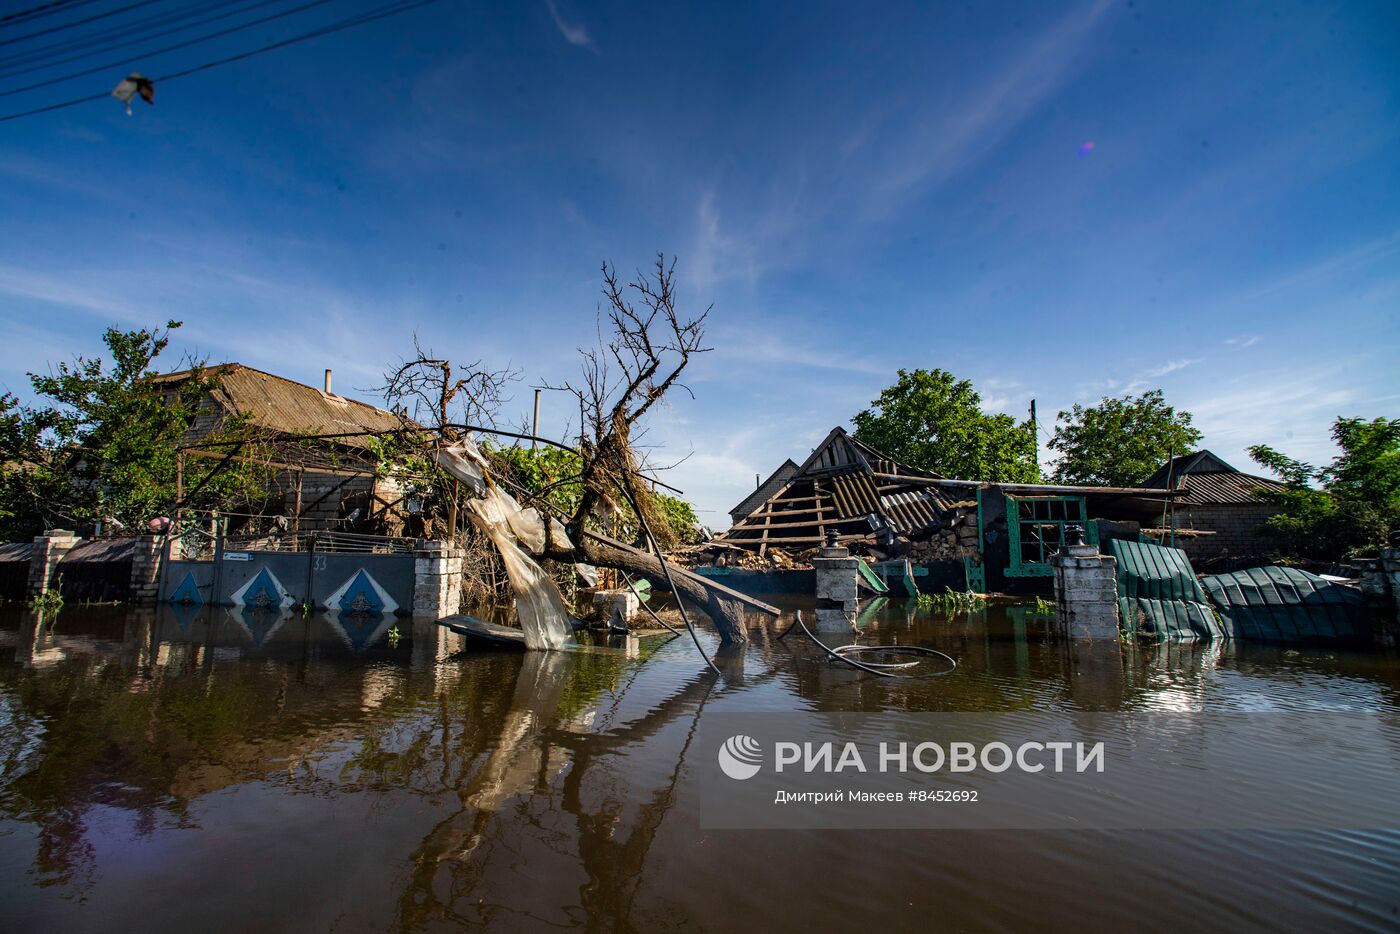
column 50, row 601
column 952, row 601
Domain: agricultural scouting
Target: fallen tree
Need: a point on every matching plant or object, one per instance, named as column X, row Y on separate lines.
column 640, row 357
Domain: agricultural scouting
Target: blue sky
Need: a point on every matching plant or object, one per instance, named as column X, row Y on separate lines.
column 855, row 188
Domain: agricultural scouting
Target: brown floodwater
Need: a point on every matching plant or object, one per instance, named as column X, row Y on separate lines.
column 180, row 770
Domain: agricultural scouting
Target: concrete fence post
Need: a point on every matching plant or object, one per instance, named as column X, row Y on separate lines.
column 144, row 588
column 837, row 584
column 49, row 549
column 1086, row 593
column 437, row 579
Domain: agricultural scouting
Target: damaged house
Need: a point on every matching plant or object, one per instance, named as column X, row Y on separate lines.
column 328, row 484
column 956, row 533
column 1218, row 511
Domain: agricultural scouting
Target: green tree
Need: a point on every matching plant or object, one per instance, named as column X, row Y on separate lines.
column 555, row 476
column 103, row 443
column 1119, row 442
column 1345, row 508
column 932, row 420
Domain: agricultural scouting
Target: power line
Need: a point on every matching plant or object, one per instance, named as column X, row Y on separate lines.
column 97, row 38
column 161, row 51
column 39, row 12
column 78, row 22
column 144, row 38
column 314, row 34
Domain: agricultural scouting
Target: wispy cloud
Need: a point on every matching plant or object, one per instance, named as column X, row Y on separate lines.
column 1171, row 366
column 1141, row 380
column 69, row 291
column 573, row 33
column 869, row 174
column 948, row 141
column 1244, row 340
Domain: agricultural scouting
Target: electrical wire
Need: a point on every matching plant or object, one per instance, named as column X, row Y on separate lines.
column 219, row 34
column 38, row 59
column 314, row 34
column 666, row 570
column 77, row 22
column 840, row 652
column 39, row 12
column 628, row 577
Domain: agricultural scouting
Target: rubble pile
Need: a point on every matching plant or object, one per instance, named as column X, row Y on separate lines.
column 955, row 539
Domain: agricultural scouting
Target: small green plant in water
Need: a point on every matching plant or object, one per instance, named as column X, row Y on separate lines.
column 394, row 636
column 952, row 601
column 1044, row 607
column 50, row 601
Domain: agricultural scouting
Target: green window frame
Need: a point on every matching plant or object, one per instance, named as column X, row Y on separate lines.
column 1036, row 529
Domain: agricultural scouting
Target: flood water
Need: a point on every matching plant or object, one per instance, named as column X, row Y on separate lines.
column 173, row 771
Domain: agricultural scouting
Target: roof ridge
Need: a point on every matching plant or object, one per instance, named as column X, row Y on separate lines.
column 234, row 365
column 287, row 379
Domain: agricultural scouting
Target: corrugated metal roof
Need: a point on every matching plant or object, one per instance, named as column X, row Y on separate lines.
column 1173, row 620
column 1159, row 598
column 1208, row 481
column 1277, row 604
column 853, row 493
column 1224, row 489
column 912, row 510
column 101, row 551
column 1155, row 572
column 19, row 552
column 287, row 407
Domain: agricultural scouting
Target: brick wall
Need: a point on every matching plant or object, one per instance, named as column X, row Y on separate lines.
column 145, row 570
column 1236, row 530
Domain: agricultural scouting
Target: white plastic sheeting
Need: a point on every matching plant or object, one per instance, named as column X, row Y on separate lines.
column 544, row 618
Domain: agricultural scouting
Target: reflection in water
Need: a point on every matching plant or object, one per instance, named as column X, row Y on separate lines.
column 152, row 762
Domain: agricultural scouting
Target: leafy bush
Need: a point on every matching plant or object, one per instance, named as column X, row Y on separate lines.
column 1345, row 508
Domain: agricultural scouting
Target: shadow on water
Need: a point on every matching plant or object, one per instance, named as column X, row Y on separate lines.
column 229, row 771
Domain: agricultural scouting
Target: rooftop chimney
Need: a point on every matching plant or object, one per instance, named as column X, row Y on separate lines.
column 328, row 382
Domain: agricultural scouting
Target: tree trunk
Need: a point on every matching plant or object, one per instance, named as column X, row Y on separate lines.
column 726, row 611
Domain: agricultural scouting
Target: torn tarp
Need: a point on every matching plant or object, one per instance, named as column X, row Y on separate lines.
column 132, row 85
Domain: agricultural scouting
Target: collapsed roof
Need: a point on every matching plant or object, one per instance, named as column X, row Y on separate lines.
column 850, row 488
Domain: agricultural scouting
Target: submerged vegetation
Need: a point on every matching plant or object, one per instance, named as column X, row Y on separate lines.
column 50, row 601
column 951, row 601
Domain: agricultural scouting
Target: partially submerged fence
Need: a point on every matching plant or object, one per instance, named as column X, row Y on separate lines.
column 337, row 571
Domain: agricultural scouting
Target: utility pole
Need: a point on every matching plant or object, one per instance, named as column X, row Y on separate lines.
column 535, row 425
column 1035, row 438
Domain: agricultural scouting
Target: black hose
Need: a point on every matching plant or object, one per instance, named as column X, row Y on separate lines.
column 670, row 582
column 875, row 668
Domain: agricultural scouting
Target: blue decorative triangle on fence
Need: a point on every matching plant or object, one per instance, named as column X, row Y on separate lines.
column 187, row 593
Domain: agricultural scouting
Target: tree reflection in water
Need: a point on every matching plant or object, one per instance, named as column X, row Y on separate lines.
column 150, row 715
column 524, row 789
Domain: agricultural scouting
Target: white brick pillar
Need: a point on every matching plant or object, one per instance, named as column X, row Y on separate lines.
column 437, row 580
column 49, row 549
column 837, row 583
column 145, row 570
column 1086, row 593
